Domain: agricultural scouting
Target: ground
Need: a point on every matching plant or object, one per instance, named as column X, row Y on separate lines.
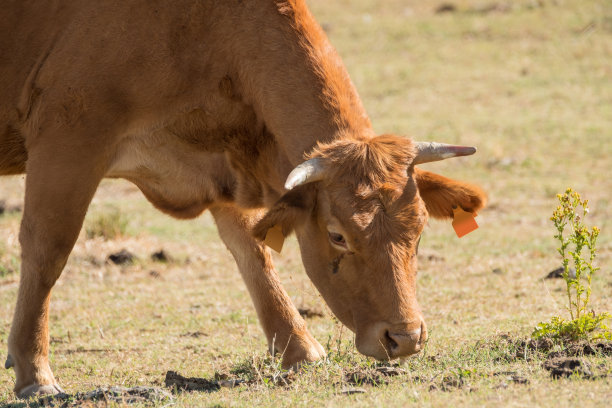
column 527, row 82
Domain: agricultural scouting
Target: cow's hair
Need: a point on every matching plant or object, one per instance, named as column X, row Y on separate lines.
column 337, row 89
column 380, row 162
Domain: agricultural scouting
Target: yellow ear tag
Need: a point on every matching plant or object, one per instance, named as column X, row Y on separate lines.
column 463, row 222
column 275, row 238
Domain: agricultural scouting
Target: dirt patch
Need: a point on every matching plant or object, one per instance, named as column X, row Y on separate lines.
column 372, row 376
column 307, row 313
column 123, row 257
column 369, row 376
column 486, row 8
column 259, row 375
column 583, row 349
column 510, row 377
column 529, row 346
column 364, row 377
column 104, row 395
column 567, row 361
column 446, row 8
column 507, row 348
column 494, row 7
column 161, row 256
column 568, row 366
column 195, row 334
column 517, row 379
column 546, row 346
column 558, row 273
column 449, row 383
column 177, row 382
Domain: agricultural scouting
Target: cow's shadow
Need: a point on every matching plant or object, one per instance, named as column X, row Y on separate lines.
column 174, row 382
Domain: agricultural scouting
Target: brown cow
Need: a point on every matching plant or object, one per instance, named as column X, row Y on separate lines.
column 210, row 105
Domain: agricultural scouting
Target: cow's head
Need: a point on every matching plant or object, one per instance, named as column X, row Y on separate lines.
column 358, row 208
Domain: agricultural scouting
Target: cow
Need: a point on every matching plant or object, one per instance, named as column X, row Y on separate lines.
column 239, row 107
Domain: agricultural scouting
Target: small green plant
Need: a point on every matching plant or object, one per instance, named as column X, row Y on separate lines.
column 577, row 243
column 109, row 224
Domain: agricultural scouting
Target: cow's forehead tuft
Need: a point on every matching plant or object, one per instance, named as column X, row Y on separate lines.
column 398, row 217
column 371, row 163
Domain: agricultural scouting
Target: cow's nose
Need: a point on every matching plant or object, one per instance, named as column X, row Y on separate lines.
column 402, row 343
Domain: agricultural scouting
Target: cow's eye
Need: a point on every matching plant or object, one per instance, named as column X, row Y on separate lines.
column 337, row 239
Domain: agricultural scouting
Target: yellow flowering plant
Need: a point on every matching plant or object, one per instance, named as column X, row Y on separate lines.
column 577, row 244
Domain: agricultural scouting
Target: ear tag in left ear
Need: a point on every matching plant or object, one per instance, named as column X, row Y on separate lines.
column 275, row 238
column 463, row 222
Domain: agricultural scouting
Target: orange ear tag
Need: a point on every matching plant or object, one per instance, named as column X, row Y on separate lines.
column 463, row 222
column 275, row 238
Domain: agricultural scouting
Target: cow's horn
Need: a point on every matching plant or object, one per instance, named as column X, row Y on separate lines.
column 432, row 151
column 307, row 172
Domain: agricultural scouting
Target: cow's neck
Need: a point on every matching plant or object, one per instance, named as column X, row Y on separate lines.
column 298, row 84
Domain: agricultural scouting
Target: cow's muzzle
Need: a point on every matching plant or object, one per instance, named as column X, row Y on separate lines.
column 387, row 342
column 402, row 343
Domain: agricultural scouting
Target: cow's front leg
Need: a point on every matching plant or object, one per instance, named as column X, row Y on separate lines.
column 61, row 181
column 284, row 327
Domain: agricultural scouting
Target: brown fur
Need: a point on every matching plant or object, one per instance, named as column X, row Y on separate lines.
column 210, row 104
column 442, row 194
column 292, row 209
column 13, row 154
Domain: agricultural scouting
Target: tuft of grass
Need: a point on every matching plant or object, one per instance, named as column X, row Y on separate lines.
column 261, row 370
column 110, row 224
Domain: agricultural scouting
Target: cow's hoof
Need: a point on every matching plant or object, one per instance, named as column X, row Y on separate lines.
column 307, row 349
column 37, row 390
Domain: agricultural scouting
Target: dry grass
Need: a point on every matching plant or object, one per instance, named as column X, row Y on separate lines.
column 530, row 85
column 108, row 224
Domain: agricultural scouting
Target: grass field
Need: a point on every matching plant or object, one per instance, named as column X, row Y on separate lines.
column 528, row 82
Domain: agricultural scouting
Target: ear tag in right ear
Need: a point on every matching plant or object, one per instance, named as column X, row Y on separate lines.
column 275, row 238
column 463, row 222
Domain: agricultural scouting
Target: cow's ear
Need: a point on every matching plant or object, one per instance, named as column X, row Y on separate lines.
column 442, row 194
column 291, row 209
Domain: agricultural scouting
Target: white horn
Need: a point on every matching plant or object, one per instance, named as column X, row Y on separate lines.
column 432, row 151
column 307, row 172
